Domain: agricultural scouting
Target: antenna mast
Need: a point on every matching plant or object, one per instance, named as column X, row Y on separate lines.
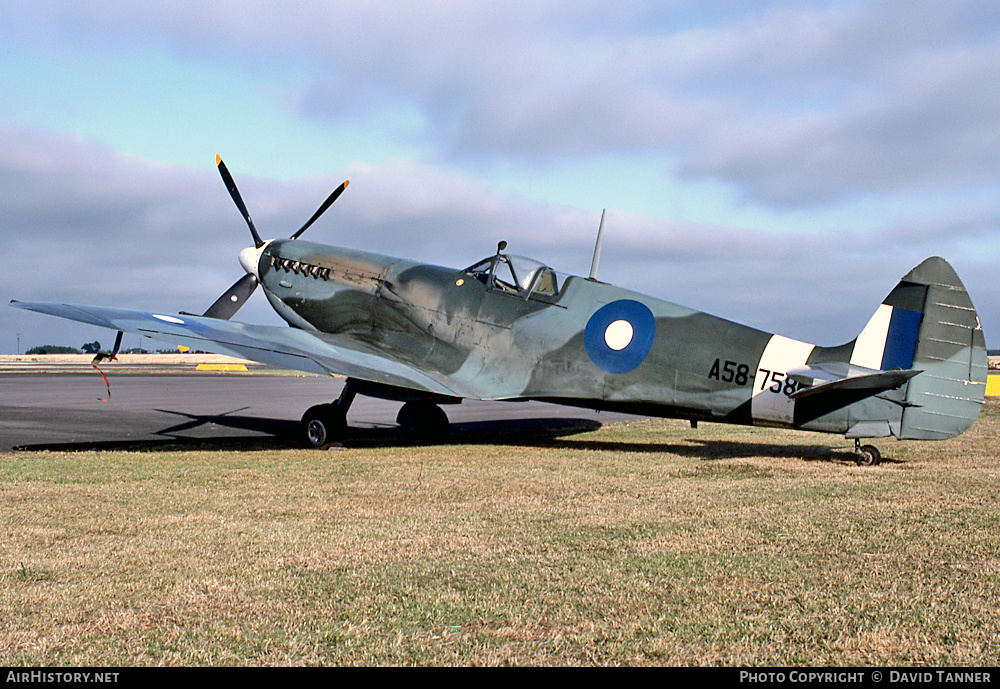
column 597, row 249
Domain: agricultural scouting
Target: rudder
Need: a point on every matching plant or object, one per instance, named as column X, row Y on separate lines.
column 928, row 323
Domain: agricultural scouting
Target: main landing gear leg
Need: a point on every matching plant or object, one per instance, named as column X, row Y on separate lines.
column 325, row 423
column 867, row 455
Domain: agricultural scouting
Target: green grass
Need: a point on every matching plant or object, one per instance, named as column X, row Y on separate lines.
column 641, row 543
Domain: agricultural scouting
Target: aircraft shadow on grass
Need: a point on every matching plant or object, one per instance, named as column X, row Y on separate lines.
column 556, row 433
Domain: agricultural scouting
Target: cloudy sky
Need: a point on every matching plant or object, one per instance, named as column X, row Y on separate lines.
column 782, row 164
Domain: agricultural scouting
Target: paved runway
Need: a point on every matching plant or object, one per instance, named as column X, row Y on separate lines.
column 63, row 411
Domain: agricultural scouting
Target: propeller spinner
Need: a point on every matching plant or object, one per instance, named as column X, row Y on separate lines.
column 231, row 301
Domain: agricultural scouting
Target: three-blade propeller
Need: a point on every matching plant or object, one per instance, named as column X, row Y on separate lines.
column 230, row 302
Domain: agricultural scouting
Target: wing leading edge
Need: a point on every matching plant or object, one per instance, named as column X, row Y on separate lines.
column 283, row 347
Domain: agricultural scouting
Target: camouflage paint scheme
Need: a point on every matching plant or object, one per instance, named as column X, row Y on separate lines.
column 408, row 331
column 489, row 342
column 510, row 328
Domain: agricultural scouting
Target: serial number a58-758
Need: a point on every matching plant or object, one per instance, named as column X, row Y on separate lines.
column 730, row 372
column 739, row 374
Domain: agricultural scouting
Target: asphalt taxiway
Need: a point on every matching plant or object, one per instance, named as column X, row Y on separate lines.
column 58, row 411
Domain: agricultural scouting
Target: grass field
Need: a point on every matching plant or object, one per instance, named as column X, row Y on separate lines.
column 646, row 543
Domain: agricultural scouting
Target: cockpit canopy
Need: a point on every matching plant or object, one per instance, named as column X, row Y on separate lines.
column 517, row 275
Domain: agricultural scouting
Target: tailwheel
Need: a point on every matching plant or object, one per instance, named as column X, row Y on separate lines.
column 866, row 455
column 322, row 425
column 425, row 419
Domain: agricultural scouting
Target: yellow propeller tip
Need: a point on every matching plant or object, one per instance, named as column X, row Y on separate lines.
column 218, row 159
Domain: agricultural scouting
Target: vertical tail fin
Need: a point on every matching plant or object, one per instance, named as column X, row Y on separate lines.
column 889, row 340
column 928, row 323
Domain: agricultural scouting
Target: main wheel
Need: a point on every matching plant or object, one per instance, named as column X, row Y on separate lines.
column 868, row 455
column 425, row 419
column 321, row 425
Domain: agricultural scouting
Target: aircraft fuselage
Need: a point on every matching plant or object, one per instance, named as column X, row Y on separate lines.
column 584, row 343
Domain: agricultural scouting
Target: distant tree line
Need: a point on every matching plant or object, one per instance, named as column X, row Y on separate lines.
column 87, row 348
column 93, row 348
column 53, row 349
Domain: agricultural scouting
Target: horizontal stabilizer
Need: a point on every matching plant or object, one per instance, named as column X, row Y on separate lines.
column 840, row 377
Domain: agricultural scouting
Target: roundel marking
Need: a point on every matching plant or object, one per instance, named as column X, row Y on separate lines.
column 619, row 335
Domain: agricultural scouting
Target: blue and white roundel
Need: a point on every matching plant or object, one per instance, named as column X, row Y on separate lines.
column 619, row 335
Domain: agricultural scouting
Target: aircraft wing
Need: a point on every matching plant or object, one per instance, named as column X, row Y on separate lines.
column 283, row 347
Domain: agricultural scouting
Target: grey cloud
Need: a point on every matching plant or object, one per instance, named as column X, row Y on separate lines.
column 939, row 133
column 795, row 104
column 91, row 226
column 795, row 107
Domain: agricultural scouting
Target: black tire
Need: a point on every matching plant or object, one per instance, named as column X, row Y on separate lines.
column 322, row 425
column 869, row 456
column 424, row 419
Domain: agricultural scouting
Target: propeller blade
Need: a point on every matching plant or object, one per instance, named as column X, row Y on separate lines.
column 235, row 193
column 230, row 302
column 322, row 209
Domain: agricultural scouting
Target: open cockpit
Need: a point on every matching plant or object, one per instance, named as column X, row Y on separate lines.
column 517, row 275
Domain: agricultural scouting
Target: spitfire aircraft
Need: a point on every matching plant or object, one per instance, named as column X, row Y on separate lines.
column 511, row 328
